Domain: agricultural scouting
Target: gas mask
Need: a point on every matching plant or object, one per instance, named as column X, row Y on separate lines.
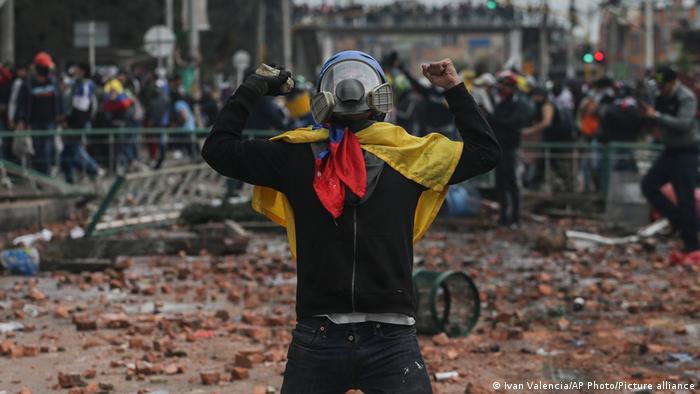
column 351, row 85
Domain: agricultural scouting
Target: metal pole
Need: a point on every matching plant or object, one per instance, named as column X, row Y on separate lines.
column 570, row 67
column 194, row 55
column 7, row 32
column 193, row 33
column 544, row 44
column 170, row 61
column 287, row 34
column 648, row 35
column 262, row 11
column 613, row 43
column 91, row 45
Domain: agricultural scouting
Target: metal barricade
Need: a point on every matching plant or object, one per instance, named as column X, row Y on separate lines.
column 110, row 148
column 155, row 197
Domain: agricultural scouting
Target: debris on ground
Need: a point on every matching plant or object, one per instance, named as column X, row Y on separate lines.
column 191, row 320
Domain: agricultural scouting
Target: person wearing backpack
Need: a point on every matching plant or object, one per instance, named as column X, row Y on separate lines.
column 83, row 107
column 622, row 122
column 556, row 125
column 40, row 107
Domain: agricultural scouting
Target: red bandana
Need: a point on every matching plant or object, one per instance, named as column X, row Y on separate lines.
column 341, row 165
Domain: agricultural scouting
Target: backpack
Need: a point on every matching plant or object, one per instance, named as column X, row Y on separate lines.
column 564, row 127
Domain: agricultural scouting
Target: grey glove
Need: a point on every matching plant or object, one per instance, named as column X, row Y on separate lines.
column 270, row 81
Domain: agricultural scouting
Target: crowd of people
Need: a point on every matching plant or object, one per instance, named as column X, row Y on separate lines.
column 40, row 97
column 417, row 13
column 570, row 114
column 146, row 103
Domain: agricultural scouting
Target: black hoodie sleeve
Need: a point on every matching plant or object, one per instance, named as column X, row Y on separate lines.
column 481, row 150
column 257, row 161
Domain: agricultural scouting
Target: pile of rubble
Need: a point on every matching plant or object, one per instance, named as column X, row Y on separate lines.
column 205, row 323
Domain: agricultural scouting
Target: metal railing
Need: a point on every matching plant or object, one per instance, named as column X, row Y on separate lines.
column 584, row 168
column 116, row 152
column 576, row 168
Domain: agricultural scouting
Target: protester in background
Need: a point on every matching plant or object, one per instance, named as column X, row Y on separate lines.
column 182, row 118
column 5, row 88
column 676, row 126
column 40, row 107
column 622, row 122
column 82, row 102
column 481, row 91
column 555, row 125
column 562, row 97
column 158, row 116
column 209, row 105
column 118, row 107
column 298, row 103
column 592, row 108
column 19, row 148
column 508, row 119
column 19, row 75
column 268, row 114
column 433, row 112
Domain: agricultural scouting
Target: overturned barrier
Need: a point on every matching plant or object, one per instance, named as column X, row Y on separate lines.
column 156, row 197
column 446, row 302
column 18, row 182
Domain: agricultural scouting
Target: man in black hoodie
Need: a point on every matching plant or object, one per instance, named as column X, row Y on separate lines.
column 40, row 107
column 355, row 302
column 509, row 117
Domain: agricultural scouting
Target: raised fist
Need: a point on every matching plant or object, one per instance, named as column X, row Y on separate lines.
column 441, row 74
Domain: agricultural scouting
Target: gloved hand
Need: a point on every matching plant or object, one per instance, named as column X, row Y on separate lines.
column 270, row 81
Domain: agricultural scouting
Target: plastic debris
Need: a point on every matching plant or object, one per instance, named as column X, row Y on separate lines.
column 439, row 376
column 21, row 261
column 29, row 239
column 11, row 327
column 585, row 240
column 77, row 232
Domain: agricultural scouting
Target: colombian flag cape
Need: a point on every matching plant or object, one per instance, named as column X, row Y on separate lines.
column 428, row 161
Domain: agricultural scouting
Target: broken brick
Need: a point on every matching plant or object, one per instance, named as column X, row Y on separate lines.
column 238, row 373
column 31, row 350
column 441, row 339
column 85, row 323
column 545, row 289
column 243, row 361
column 89, row 373
column 144, row 368
column 222, row 314
column 115, row 320
column 69, row 380
column 136, row 343
column 61, row 312
column 210, row 378
column 172, row 369
column 162, row 344
column 36, row 295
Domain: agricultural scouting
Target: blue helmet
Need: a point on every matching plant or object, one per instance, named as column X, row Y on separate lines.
column 352, row 55
column 351, row 84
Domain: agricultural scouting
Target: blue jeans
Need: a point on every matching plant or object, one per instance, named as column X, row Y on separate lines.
column 373, row 357
column 681, row 169
column 74, row 156
column 127, row 151
column 44, row 149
